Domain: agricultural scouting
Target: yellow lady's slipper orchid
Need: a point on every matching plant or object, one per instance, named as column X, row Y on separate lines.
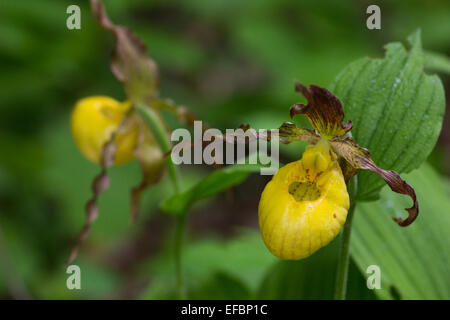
column 94, row 119
column 305, row 204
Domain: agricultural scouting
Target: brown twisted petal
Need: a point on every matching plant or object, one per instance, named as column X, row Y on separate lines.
column 323, row 111
column 287, row 133
column 359, row 158
column 99, row 184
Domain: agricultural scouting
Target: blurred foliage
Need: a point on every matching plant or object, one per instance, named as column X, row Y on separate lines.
column 230, row 61
column 238, row 264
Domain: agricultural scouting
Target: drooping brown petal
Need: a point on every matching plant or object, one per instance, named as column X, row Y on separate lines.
column 323, row 111
column 289, row 132
column 151, row 161
column 130, row 63
column 100, row 182
column 359, row 157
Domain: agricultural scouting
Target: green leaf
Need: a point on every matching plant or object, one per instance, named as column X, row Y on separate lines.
column 437, row 62
column 414, row 261
column 214, row 183
column 396, row 109
column 312, row 278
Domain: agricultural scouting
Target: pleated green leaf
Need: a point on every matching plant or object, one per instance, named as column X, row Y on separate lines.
column 396, row 109
column 414, row 261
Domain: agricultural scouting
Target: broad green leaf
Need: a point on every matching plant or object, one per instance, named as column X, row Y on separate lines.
column 396, row 109
column 214, row 183
column 414, row 261
column 312, row 278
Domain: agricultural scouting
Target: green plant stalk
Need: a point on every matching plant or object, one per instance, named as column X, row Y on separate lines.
column 160, row 133
column 340, row 288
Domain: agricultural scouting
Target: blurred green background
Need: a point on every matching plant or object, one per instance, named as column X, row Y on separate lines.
column 231, row 62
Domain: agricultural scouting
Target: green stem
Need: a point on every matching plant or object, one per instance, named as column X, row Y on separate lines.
column 160, row 133
column 340, row 288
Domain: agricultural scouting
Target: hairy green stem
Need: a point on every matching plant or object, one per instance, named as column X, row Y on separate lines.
column 340, row 288
column 160, row 133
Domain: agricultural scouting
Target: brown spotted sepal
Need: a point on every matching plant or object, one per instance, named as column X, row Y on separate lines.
column 323, row 111
column 99, row 185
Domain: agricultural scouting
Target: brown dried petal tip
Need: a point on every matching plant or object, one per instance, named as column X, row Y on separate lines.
column 130, row 62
